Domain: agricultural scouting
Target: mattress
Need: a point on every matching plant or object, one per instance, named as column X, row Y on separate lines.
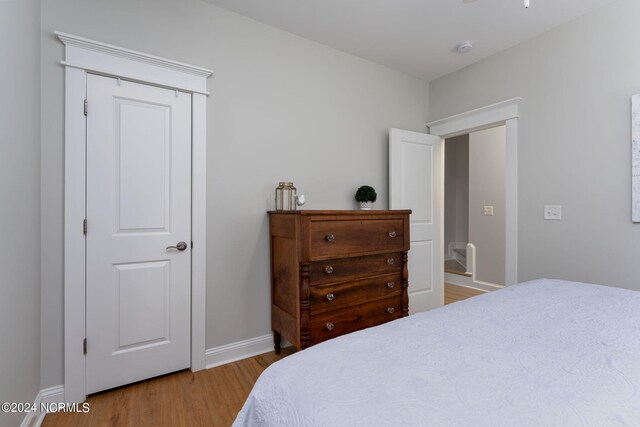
column 540, row 353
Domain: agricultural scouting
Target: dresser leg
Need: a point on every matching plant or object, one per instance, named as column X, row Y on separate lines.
column 277, row 340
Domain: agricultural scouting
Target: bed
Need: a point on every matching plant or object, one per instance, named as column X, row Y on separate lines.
column 540, row 353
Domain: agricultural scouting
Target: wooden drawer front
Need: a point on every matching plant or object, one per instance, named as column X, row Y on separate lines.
column 340, row 270
column 340, row 238
column 334, row 323
column 334, row 297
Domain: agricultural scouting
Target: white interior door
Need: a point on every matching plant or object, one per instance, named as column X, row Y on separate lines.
column 138, row 204
column 415, row 182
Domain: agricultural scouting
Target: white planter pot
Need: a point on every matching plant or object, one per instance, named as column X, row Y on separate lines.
column 366, row 206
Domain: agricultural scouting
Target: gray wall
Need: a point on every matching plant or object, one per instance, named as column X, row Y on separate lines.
column 456, row 190
column 487, row 188
column 281, row 108
column 574, row 142
column 19, row 204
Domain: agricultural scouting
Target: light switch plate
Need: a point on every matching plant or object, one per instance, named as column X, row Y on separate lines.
column 553, row 212
column 488, row 211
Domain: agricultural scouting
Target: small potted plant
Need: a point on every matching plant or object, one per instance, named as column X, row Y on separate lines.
column 366, row 195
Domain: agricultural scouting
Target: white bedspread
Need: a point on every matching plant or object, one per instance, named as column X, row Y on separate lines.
column 541, row 353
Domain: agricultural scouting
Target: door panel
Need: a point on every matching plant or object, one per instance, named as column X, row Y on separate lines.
column 420, row 267
column 138, row 204
column 417, row 180
column 415, row 167
column 144, row 137
column 143, row 293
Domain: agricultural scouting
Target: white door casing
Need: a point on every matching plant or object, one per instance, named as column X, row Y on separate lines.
column 138, row 204
column 84, row 56
column 415, row 182
column 501, row 113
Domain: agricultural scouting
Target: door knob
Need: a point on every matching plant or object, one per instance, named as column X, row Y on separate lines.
column 181, row 246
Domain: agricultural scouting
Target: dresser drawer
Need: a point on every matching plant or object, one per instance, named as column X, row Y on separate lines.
column 341, row 238
column 340, row 270
column 333, row 297
column 334, row 323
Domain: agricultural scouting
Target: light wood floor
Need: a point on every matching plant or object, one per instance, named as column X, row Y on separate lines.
column 207, row 398
column 453, row 293
column 211, row 397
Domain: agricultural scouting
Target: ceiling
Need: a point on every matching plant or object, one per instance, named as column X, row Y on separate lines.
column 417, row 37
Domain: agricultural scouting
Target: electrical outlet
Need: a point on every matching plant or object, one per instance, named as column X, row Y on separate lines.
column 553, row 212
column 488, row 211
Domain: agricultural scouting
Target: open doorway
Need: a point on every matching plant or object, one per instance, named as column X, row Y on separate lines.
column 475, row 209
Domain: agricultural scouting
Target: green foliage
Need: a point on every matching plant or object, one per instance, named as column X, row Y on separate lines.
column 366, row 194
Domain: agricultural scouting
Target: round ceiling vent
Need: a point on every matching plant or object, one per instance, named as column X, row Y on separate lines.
column 464, row 47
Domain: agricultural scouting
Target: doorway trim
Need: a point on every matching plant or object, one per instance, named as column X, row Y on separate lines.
column 500, row 113
column 84, row 56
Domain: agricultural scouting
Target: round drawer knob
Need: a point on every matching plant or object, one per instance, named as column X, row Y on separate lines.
column 391, row 285
column 390, row 261
column 330, row 326
column 330, row 297
column 391, row 310
column 392, row 234
column 330, row 238
column 328, row 269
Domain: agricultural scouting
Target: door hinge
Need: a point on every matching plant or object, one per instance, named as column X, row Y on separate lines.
column 84, row 346
column 86, row 107
column 192, row 244
column 84, row 226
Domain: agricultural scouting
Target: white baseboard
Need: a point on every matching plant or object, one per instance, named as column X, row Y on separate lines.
column 214, row 357
column 32, row 419
column 48, row 395
column 468, row 282
column 53, row 394
column 457, row 279
column 239, row 350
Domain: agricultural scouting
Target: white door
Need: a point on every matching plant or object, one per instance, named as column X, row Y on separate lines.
column 415, row 182
column 138, row 204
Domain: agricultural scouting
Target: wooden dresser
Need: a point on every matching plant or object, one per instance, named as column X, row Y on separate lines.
column 335, row 272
